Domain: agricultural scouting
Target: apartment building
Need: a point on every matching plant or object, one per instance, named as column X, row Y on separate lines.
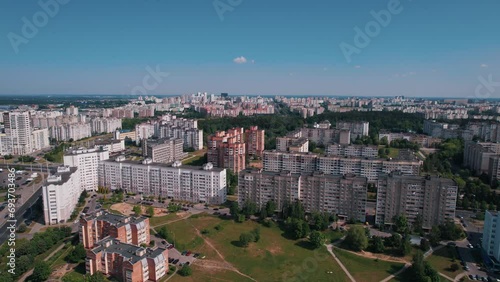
column 96, row 227
column 60, row 194
column 40, row 139
column 186, row 129
column 74, row 131
column 324, row 136
column 365, row 151
column 127, row 262
column 87, row 161
column 357, row 129
column 337, row 165
column 343, row 195
column 105, row 125
column 165, row 150
column 491, row 242
column 254, row 140
column 187, row 183
column 72, row 111
column 110, row 145
column 226, row 149
column 431, row 197
column 292, row 144
column 477, row 155
column 18, row 128
column 421, row 139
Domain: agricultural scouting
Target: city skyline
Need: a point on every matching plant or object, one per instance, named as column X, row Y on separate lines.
column 251, row 47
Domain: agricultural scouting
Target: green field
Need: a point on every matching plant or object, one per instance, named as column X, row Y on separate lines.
column 273, row 258
column 365, row 269
column 159, row 220
column 441, row 260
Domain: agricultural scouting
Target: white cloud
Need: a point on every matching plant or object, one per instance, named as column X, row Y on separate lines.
column 484, row 65
column 240, row 60
column 357, row 67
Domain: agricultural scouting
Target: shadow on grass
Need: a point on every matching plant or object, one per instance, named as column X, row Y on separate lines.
column 306, row 245
column 80, row 268
column 237, row 244
column 394, row 268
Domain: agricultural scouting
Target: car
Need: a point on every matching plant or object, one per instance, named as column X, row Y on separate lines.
column 188, row 253
column 184, row 253
column 175, row 261
column 216, row 209
column 187, row 262
column 170, row 247
column 466, row 268
column 164, row 242
column 28, row 222
column 170, row 260
column 216, row 213
column 196, row 255
column 471, row 277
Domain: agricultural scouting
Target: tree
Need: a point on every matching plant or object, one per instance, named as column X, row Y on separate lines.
column 151, row 211
column 401, row 224
column 234, row 210
column 316, row 239
column 256, row 234
column 77, row 254
column 454, row 267
column 42, row 271
column 137, row 210
column 22, row 228
column 424, row 245
column 378, row 245
column 405, row 246
column 356, row 239
column 96, row 277
column 249, row 208
column 320, row 221
column 186, row 270
column 270, row 207
column 435, row 235
column 246, row 238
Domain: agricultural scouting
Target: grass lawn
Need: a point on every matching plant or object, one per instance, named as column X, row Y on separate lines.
column 76, row 275
column 158, row 220
column 273, row 258
column 394, row 153
column 441, row 260
column 210, row 275
column 365, row 269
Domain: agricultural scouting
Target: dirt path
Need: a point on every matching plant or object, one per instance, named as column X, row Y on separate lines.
column 231, row 267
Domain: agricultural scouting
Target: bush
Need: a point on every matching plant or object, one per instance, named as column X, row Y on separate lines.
column 22, row 228
column 454, row 267
column 186, row 270
column 219, row 227
column 246, row 238
column 356, row 239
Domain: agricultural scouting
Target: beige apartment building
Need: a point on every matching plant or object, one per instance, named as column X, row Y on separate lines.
column 343, row 195
column 165, row 150
column 431, row 197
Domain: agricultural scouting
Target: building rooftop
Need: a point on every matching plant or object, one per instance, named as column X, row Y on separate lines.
column 132, row 253
column 176, row 164
column 62, row 175
column 114, row 219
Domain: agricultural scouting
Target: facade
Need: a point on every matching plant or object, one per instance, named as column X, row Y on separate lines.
column 40, row 139
column 105, row 125
column 433, row 198
column 477, row 155
column 357, row 129
column 87, row 161
column 72, row 111
column 186, row 183
column 226, row 149
column 364, row 151
column 98, row 226
column 127, row 262
column 292, row 144
column 60, row 193
column 164, row 150
column 491, row 242
column 421, row 139
column 343, row 195
column 324, row 136
column 75, row 131
column 254, row 139
column 112, row 145
column 185, row 129
column 18, row 129
column 337, row 165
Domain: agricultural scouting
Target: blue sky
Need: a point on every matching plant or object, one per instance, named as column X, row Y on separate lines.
column 431, row 48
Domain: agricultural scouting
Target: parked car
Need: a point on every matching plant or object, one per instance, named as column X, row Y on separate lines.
column 184, row 253
column 188, row 253
column 164, row 242
column 170, row 247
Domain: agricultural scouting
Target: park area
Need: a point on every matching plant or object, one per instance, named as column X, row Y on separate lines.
column 272, row 258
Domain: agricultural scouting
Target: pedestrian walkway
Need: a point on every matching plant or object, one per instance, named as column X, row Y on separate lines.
column 329, row 247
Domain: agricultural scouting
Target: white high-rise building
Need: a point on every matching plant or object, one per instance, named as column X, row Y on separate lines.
column 87, row 162
column 18, row 128
column 72, row 111
column 40, row 139
column 60, row 194
column 105, row 125
column 186, row 183
column 491, row 237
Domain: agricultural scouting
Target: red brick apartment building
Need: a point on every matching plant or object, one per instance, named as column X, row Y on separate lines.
column 127, row 262
column 226, row 149
column 129, row 230
column 254, row 139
